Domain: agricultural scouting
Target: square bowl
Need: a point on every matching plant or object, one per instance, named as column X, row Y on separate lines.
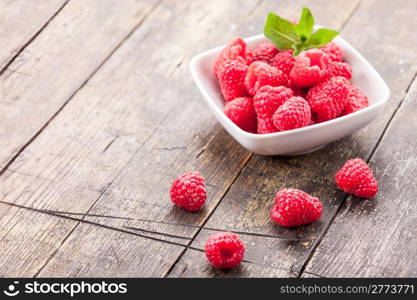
column 301, row 140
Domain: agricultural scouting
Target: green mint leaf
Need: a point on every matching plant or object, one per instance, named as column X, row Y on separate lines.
column 304, row 28
column 281, row 32
column 320, row 38
column 299, row 37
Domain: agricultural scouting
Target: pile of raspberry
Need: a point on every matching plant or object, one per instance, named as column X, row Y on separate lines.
column 267, row 90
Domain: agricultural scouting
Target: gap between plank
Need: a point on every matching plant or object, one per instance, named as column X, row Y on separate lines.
column 123, row 231
column 90, row 223
column 144, row 18
column 23, row 148
column 313, row 250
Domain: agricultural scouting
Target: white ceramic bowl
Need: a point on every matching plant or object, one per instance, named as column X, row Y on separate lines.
column 302, row 140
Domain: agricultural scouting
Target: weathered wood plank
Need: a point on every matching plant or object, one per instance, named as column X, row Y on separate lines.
column 378, row 237
column 74, row 161
column 78, row 41
column 246, row 206
column 187, row 137
column 57, row 63
column 20, row 22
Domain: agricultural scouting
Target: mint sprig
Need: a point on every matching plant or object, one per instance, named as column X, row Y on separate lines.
column 300, row 37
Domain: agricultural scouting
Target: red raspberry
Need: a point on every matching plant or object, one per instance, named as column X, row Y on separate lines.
column 294, row 113
column 284, row 61
column 224, row 250
column 334, row 52
column 356, row 100
column 295, row 208
column 343, row 69
column 328, row 99
column 232, row 80
column 261, row 74
column 356, row 178
column 310, row 68
column 266, row 102
column 189, row 191
column 264, row 52
column 235, row 50
column 242, row 113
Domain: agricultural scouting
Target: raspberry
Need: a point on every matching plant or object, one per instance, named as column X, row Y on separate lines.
column 294, row 113
column 189, row 191
column 232, row 80
column 340, row 69
column 284, row 61
column 235, row 50
column 261, row 74
column 356, row 178
column 356, row 100
column 310, row 68
column 295, row 208
column 242, row 113
column 266, row 102
column 224, row 250
column 264, row 52
column 334, row 52
column 328, row 99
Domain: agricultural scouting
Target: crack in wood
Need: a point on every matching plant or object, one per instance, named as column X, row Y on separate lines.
column 109, row 144
column 81, row 220
column 24, row 147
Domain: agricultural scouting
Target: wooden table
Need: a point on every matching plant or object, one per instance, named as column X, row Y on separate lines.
column 99, row 114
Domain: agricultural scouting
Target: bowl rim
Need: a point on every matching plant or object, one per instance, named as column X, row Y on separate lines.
column 197, row 58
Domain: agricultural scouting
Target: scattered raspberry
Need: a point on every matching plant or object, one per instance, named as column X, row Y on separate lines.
column 328, row 99
column 189, row 191
column 310, row 68
column 356, row 178
column 264, row 52
column 261, row 74
column 224, row 250
column 235, row 50
column 334, row 52
column 294, row 113
column 295, row 208
column 284, row 61
column 242, row 113
column 356, row 100
column 266, row 102
column 232, row 80
column 343, row 69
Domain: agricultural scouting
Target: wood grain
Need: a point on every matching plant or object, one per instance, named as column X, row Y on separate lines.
column 88, row 191
column 117, row 116
column 43, row 78
column 173, row 132
column 207, row 149
column 378, row 237
column 20, row 22
column 245, row 207
column 78, row 41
